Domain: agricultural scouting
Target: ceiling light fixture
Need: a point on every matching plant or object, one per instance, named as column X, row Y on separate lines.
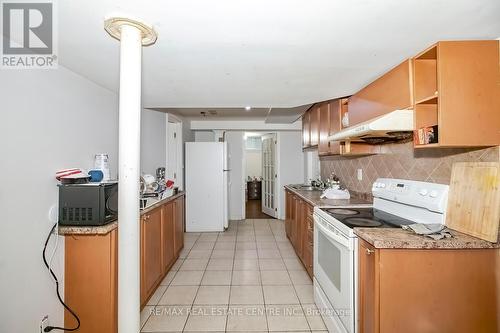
column 248, row 108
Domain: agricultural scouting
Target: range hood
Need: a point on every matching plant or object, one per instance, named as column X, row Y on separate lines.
column 392, row 126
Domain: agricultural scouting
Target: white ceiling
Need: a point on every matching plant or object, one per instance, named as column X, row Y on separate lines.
column 270, row 115
column 264, row 53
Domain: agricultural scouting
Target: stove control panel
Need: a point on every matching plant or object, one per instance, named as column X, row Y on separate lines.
column 431, row 196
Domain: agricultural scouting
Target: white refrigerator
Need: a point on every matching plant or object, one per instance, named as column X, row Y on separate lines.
column 207, row 182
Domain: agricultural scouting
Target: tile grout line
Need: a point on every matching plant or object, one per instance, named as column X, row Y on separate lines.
column 232, row 272
column 203, row 275
column 168, row 285
column 295, row 290
column 260, row 276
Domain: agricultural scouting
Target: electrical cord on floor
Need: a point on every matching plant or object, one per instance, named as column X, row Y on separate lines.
column 50, row 328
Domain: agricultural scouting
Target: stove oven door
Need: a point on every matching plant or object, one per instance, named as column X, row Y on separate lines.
column 334, row 256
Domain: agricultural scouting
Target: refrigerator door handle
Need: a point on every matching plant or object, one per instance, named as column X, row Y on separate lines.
column 225, row 170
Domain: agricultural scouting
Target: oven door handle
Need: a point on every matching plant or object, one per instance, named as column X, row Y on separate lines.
column 339, row 238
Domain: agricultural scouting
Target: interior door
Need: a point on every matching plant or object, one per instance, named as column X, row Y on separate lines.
column 172, row 168
column 269, row 174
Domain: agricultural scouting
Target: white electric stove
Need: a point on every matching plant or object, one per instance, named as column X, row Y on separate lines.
column 396, row 202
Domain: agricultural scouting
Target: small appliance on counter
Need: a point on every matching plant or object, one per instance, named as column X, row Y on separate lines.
column 91, row 204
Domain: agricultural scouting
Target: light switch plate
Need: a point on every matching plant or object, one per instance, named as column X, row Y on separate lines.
column 360, row 174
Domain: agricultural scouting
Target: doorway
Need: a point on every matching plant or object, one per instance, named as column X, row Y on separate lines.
column 260, row 174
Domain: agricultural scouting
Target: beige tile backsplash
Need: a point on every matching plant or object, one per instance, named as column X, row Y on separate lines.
column 404, row 162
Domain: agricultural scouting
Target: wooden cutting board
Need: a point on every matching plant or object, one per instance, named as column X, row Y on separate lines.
column 474, row 199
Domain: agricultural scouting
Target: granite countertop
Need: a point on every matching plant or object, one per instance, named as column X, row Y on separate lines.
column 313, row 197
column 104, row 229
column 396, row 238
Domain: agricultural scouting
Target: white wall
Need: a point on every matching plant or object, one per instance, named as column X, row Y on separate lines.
column 311, row 165
column 253, row 163
column 51, row 119
column 236, row 177
column 153, row 141
column 290, row 164
column 204, row 136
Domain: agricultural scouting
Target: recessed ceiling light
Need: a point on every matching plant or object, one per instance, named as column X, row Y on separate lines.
column 248, row 108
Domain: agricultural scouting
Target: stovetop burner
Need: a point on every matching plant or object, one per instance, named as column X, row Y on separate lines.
column 362, row 222
column 342, row 211
column 366, row 218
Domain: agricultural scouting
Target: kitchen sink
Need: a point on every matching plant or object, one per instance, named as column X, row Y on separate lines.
column 302, row 187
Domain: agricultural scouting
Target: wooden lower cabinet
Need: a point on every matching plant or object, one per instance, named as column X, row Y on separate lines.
column 91, row 266
column 179, row 213
column 417, row 290
column 299, row 228
column 307, row 238
column 151, row 252
column 168, row 234
column 288, row 213
column 91, row 281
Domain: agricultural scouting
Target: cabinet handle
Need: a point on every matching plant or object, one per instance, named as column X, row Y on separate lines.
column 368, row 251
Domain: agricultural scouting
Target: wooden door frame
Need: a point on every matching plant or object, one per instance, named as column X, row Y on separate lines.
column 180, row 149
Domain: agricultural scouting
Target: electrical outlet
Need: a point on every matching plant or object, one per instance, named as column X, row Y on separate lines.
column 44, row 323
column 360, row 174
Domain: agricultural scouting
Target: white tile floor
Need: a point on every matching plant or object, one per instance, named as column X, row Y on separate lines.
column 247, row 279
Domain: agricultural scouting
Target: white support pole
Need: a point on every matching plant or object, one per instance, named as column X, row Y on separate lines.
column 133, row 35
column 129, row 173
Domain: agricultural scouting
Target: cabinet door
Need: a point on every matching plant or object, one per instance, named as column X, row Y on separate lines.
column 324, row 129
column 168, row 231
column 307, row 239
column 179, row 224
column 314, row 124
column 306, row 130
column 90, row 278
column 368, row 310
column 288, row 212
column 299, row 227
column 151, row 254
column 335, row 126
column 293, row 221
column 392, row 91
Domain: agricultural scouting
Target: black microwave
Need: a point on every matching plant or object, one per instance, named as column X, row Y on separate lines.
column 91, row 204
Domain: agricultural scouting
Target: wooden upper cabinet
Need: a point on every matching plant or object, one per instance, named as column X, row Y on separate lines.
column 314, row 124
column 335, row 119
column 392, row 91
column 324, row 129
column 306, row 130
column 457, row 89
column 151, row 252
